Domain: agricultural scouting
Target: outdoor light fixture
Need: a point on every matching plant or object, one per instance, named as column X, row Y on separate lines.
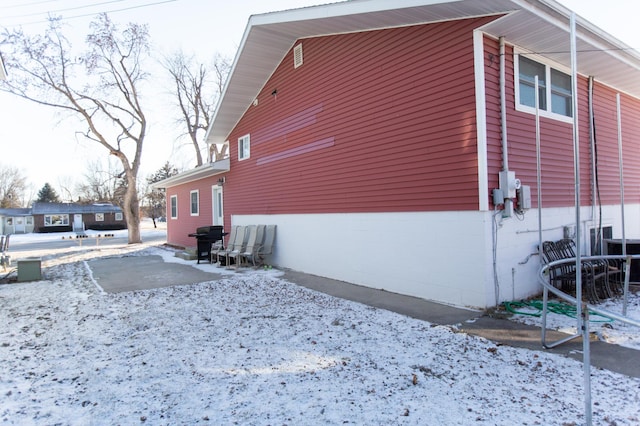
column 221, row 181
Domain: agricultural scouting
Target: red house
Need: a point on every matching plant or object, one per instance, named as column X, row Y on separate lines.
column 394, row 143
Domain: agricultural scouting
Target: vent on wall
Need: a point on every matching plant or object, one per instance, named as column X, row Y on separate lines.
column 297, row 56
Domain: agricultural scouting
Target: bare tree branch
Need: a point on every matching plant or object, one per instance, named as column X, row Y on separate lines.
column 195, row 94
column 100, row 86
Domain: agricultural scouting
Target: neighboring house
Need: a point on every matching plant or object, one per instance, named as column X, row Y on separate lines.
column 373, row 134
column 64, row 217
column 16, row 221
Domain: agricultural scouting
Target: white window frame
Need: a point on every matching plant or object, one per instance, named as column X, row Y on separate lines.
column 547, row 112
column 118, row 216
column 48, row 219
column 173, row 206
column 99, row 217
column 196, row 211
column 244, row 147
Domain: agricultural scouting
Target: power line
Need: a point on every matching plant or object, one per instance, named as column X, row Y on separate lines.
column 64, row 9
column 13, row 6
column 95, row 13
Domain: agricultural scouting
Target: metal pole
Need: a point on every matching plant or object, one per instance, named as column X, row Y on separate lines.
column 576, row 163
column 576, row 158
column 586, row 364
column 538, row 171
column 625, row 299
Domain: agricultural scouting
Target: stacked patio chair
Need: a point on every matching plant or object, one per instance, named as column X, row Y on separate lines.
column 594, row 274
column 254, row 242
column 237, row 244
column 266, row 248
column 217, row 249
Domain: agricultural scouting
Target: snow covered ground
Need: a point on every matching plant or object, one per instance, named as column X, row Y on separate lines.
column 255, row 349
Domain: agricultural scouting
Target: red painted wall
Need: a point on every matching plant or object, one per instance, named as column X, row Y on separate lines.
column 179, row 229
column 558, row 187
column 379, row 121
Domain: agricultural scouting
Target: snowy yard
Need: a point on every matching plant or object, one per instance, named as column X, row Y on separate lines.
column 254, row 349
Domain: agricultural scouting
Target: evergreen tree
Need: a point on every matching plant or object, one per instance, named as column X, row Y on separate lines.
column 47, row 195
column 156, row 198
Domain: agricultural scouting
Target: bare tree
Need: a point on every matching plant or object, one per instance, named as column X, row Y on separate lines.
column 101, row 182
column 100, row 87
column 197, row 89
column 13, row 187
column 66, row 187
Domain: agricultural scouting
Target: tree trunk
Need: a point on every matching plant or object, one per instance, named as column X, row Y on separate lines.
column 131, row 210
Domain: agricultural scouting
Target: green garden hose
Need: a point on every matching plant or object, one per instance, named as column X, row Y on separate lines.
column 553, row 307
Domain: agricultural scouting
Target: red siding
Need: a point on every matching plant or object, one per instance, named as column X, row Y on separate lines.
column 371, row 122
column 558, row 187
column 178, row 230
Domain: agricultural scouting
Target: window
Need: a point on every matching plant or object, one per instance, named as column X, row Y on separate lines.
column 554, row 88
column 195, row 203
column 119, row 216
column 244, row 147
column 9, row 221
column 99, row 217
column 56, row 220
column 174, row 207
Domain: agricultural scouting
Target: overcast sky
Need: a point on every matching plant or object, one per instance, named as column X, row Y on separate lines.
column 46, row 149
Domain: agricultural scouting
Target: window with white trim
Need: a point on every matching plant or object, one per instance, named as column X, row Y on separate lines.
column 554, row 88
column 99, row 217
column 194, row 196
column 244, row 147
column 56, row 220
column 174, row 206
column 118, row 216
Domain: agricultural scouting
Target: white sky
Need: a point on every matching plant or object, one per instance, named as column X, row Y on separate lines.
column 46, row 150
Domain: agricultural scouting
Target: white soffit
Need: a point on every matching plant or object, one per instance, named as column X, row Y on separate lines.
column 536, row 25
column 200, row 172
column 543, row 28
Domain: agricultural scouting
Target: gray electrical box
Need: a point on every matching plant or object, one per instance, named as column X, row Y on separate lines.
column 29, row 269
column 498, row 197
column 508, row 183
column 524, row 197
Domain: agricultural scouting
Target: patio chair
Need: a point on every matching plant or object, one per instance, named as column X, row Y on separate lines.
column 215, row 249
column 267, row 245
column 563, row 276
column 253, row 245
column 252, row 237
column 238, row 244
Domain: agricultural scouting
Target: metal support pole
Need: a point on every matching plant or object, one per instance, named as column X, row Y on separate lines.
column 625, row 299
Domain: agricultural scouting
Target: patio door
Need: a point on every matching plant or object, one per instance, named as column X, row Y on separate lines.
column 216, row 199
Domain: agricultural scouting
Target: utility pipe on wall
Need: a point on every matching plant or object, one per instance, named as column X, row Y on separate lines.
column 592, row 139
column 503, row 106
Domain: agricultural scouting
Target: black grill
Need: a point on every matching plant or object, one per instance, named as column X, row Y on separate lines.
column 207, row 235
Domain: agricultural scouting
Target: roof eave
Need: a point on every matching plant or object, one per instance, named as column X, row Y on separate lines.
column 268, row 38
column 200, row 172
